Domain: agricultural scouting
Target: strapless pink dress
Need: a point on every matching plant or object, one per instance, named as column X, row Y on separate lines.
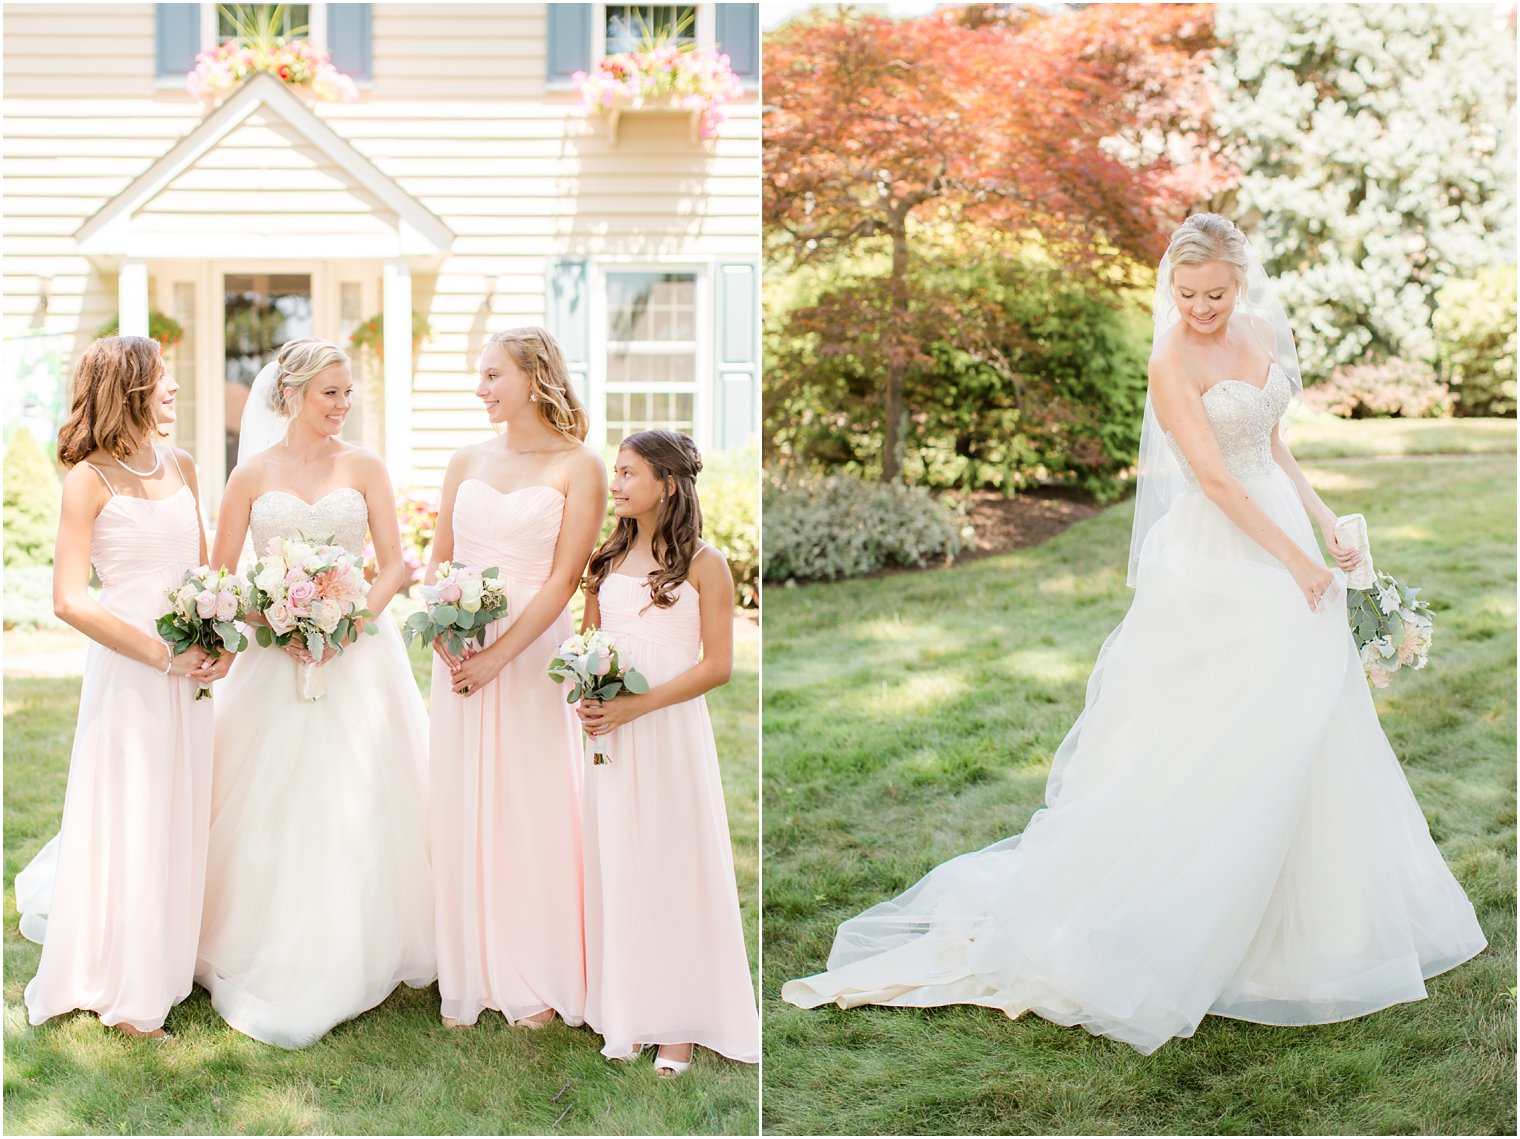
column 115, row 898
column 506, row 778
column 665, row 956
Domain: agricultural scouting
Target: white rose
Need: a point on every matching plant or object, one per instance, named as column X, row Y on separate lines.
column 312, row 562
column 270, row 579
column 296, row 553
column 280, row 618
column 326, row 614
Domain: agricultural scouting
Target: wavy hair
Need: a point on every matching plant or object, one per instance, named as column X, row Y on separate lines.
column 113, row 399
column 1210, row 237
column 678, row 525
column 538, row 354
column 301, row 361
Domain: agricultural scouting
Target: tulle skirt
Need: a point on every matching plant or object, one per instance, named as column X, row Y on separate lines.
column 319, row 893
column 1227, row 830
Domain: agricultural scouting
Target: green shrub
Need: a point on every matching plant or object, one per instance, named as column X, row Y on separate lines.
column 1383, row 389
column 729, row 487
column 1475, row 335
column 31, row 503
column 29, row 598
column 841, row 526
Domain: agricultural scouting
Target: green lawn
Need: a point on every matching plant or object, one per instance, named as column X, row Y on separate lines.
column 395, row 1070
column 890, row 746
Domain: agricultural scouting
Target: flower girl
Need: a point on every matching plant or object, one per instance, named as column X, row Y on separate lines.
column 665, row 956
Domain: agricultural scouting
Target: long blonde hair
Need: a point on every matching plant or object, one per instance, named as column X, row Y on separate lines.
column 537, row 353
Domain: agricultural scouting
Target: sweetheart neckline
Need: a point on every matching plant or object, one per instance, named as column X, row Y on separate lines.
column 1272, row 367
column 310, row 505
column 510, row 493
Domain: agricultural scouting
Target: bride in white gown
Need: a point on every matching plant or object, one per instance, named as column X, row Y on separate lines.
column 319, row 896
column 1227, row 830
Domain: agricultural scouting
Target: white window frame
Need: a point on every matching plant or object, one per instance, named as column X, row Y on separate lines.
column 707, row 27
column 316, row 28
column 600, row 312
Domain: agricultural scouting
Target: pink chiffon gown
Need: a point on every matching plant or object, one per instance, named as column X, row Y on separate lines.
column 506, row 805
column 115, row 898
column 665, row 956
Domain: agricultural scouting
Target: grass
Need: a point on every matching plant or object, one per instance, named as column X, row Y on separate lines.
column 890, row 746
column 1316, row 435
column 394, row 1070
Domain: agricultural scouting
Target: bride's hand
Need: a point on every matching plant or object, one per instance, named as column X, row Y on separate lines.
column 297, row 649
column 1312, row 579
column 1347, row 557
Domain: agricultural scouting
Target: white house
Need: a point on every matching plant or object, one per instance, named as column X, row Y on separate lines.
column 466, row 183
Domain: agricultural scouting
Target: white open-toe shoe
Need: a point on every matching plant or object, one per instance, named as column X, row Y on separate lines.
column 670, row 1069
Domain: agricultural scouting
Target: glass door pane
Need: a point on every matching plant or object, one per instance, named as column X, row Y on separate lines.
column 263, row 311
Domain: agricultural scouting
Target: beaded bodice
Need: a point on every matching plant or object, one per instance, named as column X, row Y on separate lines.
column 1242, row 416
column 341, row 516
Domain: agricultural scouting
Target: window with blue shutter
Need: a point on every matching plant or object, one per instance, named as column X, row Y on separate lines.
column 736, row 416
column 738, row 34
column 569, row 319
column 569, row 42
column 176, row 39
column 348, row 40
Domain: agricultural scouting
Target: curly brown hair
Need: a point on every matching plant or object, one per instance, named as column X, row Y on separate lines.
column 678, row 526
column 113, row 399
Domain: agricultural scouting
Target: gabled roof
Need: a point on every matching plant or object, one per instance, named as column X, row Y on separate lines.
column 418, row 230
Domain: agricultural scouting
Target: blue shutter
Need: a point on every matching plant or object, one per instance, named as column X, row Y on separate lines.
column 738, row 34
column 569, row 317
column 176, row 39
column 348, row 40
column 736, row 416
column 569, row 42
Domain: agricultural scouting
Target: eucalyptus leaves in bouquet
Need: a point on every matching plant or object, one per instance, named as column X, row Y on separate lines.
column 204, row 610
column 1391, row 626
column 458, row 606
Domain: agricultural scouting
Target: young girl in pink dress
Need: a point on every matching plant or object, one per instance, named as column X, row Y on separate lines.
column 506, row 769
column 665, row 957
column 115, row 898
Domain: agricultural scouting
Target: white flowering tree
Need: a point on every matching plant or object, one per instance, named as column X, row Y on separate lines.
column 1376, row 145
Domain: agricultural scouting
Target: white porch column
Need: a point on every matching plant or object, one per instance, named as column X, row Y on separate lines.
column 132, row 297
column 397, row 308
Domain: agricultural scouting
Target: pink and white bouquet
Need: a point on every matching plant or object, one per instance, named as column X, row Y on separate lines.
column 1391, row 626
column 684, row 77
column 458, row 606
column 311, row 590
column 590, row 662
column 204, row 610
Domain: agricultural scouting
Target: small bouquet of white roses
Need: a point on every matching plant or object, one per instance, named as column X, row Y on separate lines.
column 203, row 611
column 312, row 590
column 1391, row 626
column 458, row 606
column 590, row 662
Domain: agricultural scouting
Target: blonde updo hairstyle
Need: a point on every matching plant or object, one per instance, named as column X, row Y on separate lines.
column 1210, row 237
column 299, row 361
column 537, row 353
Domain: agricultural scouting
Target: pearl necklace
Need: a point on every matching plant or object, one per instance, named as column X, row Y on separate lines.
column 158, row 461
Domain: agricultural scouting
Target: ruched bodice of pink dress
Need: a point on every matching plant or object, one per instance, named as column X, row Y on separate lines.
column 665, row 955
column 507, row 789
column 115, row 898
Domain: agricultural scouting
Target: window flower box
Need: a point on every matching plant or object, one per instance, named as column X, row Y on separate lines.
column 294, row 62
column 668, row 78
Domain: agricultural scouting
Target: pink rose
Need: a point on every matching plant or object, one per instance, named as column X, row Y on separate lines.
column 450, row 593
column 603, row 664
column 294, row 575
column 226, row 605
column 205, row 604
column 300, row 596
column 279, row 618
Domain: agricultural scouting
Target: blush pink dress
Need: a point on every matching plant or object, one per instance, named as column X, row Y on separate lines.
column 506, row 778
column 115, row 898
column 665, row 956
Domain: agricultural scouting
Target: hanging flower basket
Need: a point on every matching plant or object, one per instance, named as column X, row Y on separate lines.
column 165, row 329
column 370, row 335
column 662, row 78
column 294, row 62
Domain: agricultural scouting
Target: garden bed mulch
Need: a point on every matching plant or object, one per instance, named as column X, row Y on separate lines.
column 1005, row 523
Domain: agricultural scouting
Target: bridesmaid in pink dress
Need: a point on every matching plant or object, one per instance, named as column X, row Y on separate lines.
column 115, row 898
column 506, row 773
column 665, row 957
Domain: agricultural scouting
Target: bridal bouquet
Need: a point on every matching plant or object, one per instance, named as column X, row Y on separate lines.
column 203, row 611
column 312, row 590
column 457, row 607
column 1391, row 626
column 590, row 661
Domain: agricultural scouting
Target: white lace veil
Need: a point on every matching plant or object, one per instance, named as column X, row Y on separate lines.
column 1260, row 314
column 262, row 427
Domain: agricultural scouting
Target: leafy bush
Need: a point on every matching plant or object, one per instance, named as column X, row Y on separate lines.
column 29, row 598
column 31, row 503
column 1475, row 335
column 729, row 487
column 1382, row 389
column 841, row 526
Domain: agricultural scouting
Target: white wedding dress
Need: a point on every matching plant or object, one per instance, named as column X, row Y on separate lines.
column 1227, row 830
column 319, row 893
